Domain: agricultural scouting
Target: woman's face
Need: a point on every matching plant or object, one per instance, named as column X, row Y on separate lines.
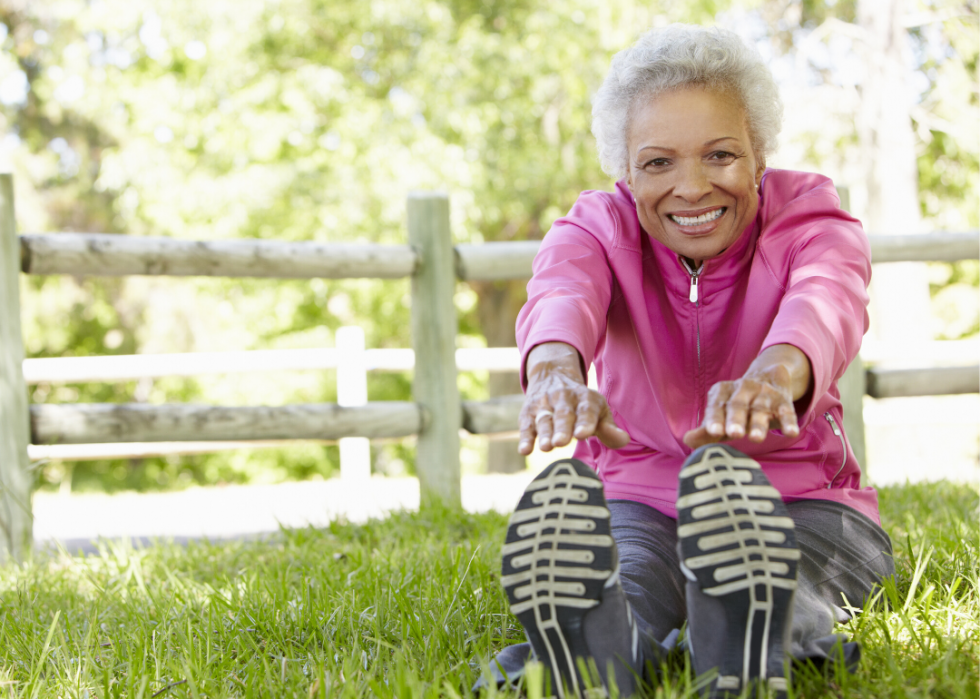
column 692, row 171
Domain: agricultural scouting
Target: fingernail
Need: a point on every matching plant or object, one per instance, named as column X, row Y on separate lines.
column 524, row 445
column 756, row 433
column 716, row 428
column 736, row 431
column 558, row 437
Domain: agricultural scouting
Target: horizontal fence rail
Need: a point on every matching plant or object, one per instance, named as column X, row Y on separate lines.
column 925, row 247
column 129, row 367
column 100, row 451
column 497, row 261
column 81, row 423
column 93, row 254
column 494, row 416
column 881, row 382
column 104, row 423
column 936, row 381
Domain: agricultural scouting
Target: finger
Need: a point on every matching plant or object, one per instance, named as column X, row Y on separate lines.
column 563, row 419
column 760, row 417
column 528, row 431
column 714, row 412
column 611, row 434
column 587, row 415
column 737, row 409
column 788, row 422
column 700, row 436
column 545, row 428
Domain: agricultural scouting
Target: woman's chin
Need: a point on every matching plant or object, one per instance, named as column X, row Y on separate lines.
column 697, row 249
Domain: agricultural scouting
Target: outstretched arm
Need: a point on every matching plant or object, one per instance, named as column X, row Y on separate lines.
column 761, row 400
column 558, row 405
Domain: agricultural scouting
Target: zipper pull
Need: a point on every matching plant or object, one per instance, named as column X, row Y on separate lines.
column 694, row 274
column 833, row 424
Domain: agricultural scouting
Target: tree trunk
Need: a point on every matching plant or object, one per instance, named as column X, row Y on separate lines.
column 499, row 304
column 899, row 292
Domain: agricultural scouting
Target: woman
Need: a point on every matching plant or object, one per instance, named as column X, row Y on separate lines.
column 719, row 303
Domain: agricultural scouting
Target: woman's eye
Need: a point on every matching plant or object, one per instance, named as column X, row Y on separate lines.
column 657, row 162
column 722, row 155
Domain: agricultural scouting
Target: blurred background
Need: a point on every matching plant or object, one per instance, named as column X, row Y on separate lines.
column 313, row 119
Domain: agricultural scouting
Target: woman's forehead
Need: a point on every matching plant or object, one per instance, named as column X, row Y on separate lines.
column 686, row 117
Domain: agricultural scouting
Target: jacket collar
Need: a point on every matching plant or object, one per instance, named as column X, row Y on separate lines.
column 719, row 272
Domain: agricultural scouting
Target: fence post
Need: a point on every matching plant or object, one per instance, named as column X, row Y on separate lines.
column 434, row 341
column 852, row 387
column 355, row 452
column 16, row 520
column 852, row 384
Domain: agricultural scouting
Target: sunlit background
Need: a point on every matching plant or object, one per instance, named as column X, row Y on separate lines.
column 312, row 120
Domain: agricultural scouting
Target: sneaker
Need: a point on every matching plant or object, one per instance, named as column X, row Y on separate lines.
column 737, row 546
column 560, row 572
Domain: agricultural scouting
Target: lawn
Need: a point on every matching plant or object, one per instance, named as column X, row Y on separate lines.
column 402, row 607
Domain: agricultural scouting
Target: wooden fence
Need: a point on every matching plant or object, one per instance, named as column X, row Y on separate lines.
column 435, row 415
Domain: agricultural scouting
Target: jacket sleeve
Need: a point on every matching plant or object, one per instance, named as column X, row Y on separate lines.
column 823, row 311
column 569, row 294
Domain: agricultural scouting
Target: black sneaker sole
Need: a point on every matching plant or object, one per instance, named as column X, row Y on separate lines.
column 557, row 557
column 738, row 542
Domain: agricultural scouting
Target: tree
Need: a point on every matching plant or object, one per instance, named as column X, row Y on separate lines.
column 312, row 119
column 887, row 90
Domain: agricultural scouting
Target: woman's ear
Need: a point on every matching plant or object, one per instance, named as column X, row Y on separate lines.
column 759, row 172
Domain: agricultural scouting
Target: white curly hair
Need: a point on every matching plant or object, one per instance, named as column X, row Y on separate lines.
column 674, row 57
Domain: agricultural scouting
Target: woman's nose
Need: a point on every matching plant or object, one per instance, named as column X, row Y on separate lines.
column 692, row 183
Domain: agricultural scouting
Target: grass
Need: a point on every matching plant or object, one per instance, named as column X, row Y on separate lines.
column 402, row 607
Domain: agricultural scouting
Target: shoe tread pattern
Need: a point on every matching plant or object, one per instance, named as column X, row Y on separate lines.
column 738, row 541
column 556, row 559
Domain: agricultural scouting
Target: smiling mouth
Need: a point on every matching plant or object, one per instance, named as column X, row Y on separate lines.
column 697, row 220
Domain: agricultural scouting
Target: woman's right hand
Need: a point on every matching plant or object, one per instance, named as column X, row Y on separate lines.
column 558, row 405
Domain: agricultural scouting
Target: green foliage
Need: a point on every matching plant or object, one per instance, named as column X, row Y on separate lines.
column 412, row 606
column 312, row 120
column 949, row 151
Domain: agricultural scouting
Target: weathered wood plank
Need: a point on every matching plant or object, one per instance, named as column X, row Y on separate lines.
column 851, row 387
column 495, row 261
column 102, row 423
column 16, row 482
column 142, row 450
column 925, row 247
column 94, row 254
column 936, row 381
column 492, row 416
column 434, row 330
column 128, row 367
column 512, row 260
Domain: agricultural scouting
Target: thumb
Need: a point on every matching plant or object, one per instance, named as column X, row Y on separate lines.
column 699, row 436
column 610, row 434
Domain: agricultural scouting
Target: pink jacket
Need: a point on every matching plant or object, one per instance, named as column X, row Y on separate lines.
column 798, row 275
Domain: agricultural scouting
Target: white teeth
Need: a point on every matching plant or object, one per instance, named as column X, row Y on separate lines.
column 697, row 220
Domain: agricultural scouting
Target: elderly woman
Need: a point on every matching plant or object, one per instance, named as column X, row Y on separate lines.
column 720, row 302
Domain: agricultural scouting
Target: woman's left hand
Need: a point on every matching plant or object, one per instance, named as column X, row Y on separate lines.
column 761, row 400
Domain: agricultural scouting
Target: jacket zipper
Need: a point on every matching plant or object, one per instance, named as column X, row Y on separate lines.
column 843, row 446
column 696, row 300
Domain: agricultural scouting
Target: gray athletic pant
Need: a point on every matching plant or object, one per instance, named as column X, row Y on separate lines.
column 843, row 554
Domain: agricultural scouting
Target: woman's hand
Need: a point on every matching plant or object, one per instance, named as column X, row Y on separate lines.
column 761, row 400
column 558, row 405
